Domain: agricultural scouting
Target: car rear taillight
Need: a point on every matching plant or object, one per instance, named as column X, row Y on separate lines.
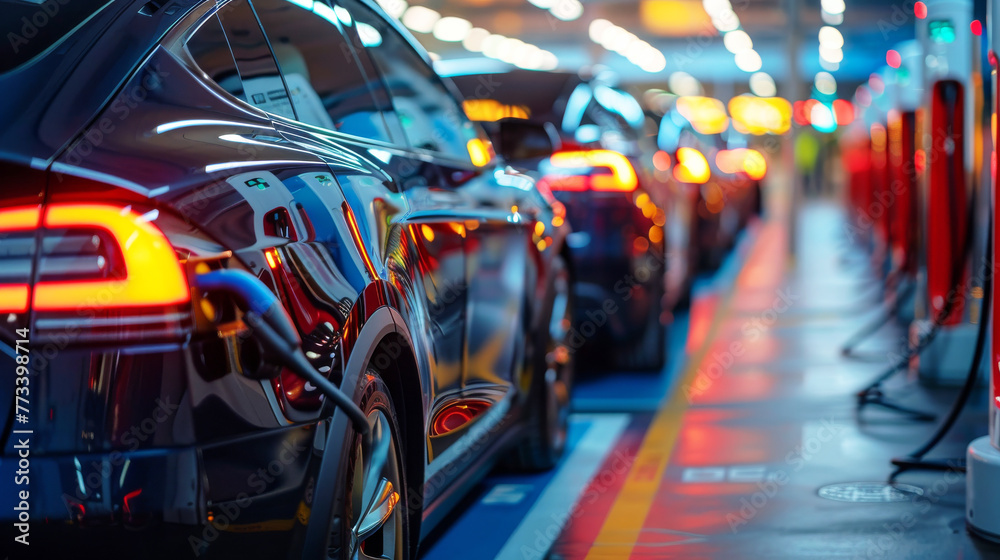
column 17, row 250
column 104, row 273
column 742, row 160
column 692, row 167
column 590, row 170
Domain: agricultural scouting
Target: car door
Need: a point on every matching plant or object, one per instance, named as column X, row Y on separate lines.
column 467, row 271
column 287, row 194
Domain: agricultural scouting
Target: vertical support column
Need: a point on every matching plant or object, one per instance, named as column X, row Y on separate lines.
column 788, row 206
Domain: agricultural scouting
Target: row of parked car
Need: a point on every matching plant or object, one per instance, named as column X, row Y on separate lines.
column 267, row 289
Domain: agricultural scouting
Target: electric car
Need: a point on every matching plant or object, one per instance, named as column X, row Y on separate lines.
column 229, row 230
column 714, row 166
column 629, row 275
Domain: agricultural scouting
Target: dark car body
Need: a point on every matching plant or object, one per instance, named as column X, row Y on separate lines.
column 623, row 258
column 148, row 143
column 729, row 195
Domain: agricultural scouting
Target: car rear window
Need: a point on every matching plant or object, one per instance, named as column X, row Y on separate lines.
column 30, row 27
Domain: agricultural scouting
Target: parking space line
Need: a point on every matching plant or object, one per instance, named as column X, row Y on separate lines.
column 546, row 519
column 624, row 523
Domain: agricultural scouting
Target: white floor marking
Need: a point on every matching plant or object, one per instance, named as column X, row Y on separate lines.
column 541, row 526
column 507, row 494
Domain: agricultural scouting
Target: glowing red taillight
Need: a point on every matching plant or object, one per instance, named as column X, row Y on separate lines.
column 591, row 170
column 98, row 256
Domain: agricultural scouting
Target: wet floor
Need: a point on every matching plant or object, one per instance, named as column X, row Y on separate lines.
column 749, row 444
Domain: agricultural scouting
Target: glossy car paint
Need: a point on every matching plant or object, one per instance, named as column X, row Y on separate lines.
column 425, row 268
column 630, row 272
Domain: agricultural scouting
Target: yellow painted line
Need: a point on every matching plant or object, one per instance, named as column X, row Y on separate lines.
column 621, row 529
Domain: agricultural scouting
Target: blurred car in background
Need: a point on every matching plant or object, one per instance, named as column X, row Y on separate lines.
column 714, row 165
column 628, row 275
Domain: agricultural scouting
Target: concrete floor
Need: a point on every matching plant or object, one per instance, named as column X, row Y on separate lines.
column 752, row 424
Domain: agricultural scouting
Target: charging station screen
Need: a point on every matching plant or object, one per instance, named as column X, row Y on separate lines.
column 942, row 31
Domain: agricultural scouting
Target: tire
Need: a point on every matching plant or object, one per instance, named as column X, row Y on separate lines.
column 549, row 399
column 378, row 465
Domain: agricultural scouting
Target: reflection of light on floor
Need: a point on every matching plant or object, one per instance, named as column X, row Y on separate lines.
column 714, row 437
column 829, row 382
column 702, row 313
column 711, row 387
column 766, row 264
column 757, row 349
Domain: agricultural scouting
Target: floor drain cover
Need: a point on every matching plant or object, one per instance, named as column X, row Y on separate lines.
column 870, row 492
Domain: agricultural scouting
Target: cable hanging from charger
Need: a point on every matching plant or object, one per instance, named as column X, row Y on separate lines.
column 915, row 460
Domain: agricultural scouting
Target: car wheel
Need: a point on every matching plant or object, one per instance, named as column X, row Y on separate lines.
column 374, row 524
column 548, row 402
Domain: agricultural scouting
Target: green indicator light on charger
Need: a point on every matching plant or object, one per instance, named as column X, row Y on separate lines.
column 942, row 31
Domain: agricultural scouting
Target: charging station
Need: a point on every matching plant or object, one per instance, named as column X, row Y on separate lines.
column 982, row 493
column 903, row 120
column 946, row 300
column 881, row 203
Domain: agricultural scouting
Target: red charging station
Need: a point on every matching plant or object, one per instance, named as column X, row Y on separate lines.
column 944, row 293
column 880, row 184
column 904, row 166
column 982, row 501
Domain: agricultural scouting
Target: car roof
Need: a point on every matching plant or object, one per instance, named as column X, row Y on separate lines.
column 542, row 92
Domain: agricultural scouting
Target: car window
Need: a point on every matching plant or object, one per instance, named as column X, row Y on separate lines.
column 261, row 81
column 29, row 26
column 209, row 49
column 430, row 117
column 327, row 87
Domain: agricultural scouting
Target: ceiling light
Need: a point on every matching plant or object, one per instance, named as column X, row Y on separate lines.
column 825, row 83
column 420, row 19
column 474, row 39
column 452, row 29
column 748, row 61
column 726, row 21
column 736, row 41
column 511, row 50
column 682, row 83
column 549, row 61
column 567, row 10
column 617, row 39
column 831, row 54
column 830, row 37
column 492, row 44
column 833, row 7
column 831, row 19
column 715, row 7
column 531, row 58
column 649, row 59
column 597, row 29
column 762, row 85
column 394, row 8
